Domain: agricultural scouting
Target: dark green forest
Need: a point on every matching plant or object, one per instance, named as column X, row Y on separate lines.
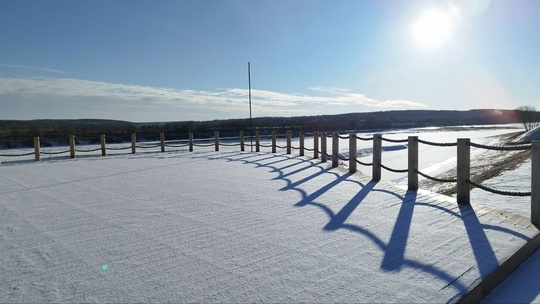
column 20, row 133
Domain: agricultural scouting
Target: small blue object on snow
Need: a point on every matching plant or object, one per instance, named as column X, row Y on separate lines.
column 104, row 267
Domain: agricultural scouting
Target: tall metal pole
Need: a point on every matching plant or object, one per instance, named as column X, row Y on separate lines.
column 250, row 124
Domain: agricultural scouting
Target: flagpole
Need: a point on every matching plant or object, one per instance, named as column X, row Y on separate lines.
column 250, row 123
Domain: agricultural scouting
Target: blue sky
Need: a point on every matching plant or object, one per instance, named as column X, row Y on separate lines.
column 187, row 60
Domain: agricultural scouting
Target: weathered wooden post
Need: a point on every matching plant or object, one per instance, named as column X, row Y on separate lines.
column 72, row 146
column 463, row 171
column 216, row 140
column 535, row 183
column 413, row 162
column 352, row 153
column 242, row 141
column 289, row 142
column 274, row 141
column 301, row 138
column 323, row 148
column 190, row 141
column 37, row 151
column 162, row 141
column 103, row 145
column 377, row 157
column 133, row 143
column 316, row 144
column 335, row 149
column 257, row 141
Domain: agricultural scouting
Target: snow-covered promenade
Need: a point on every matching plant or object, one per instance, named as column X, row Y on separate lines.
column 237, row 227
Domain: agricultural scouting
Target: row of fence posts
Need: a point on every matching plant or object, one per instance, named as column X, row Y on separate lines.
column 463, row 159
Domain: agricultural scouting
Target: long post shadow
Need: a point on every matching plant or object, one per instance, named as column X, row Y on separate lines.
column 394, row 255
column 483, row 252
column 339, row 218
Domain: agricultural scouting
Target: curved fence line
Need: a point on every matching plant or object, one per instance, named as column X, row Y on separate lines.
column 321, row 150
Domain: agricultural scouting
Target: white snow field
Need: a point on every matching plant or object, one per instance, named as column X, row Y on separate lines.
column 237, row 227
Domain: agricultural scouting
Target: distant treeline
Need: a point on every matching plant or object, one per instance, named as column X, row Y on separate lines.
column 19, row 133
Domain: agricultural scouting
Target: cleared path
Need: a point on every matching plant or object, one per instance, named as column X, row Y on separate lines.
column 237, row 227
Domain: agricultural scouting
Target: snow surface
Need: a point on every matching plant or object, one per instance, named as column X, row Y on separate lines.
column 529, row 136
column 235, row 227
column 64, row 221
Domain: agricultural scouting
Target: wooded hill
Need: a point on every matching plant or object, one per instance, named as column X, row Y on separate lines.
column 19, row 133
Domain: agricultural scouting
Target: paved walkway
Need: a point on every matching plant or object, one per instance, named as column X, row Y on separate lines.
column 237, row 227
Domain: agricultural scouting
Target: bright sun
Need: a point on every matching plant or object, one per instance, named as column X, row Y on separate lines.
column 432, row 29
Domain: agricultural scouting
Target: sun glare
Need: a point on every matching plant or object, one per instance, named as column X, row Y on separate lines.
column 432, row 29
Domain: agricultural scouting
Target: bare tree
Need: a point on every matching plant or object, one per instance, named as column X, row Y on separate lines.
column 529, row 117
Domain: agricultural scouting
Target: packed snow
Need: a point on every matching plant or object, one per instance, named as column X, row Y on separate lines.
column 235, row 227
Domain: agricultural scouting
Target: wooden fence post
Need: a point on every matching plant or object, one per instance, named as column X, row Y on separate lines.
column 257, row 141
column 289, row 142
column 162, row 141
column 377, row 157
column 535, row 183
column 413, row 162
column 323, row 148
column 316, row 144
column 463, row 171
column 216, row 140
column 301, row 138
column 133, row 143
column 274, row 141
column 37, row 151
column 335, row 149
column 103, row 145
column 352, row 153
column 72, row 146
column 190, row 141
column 242, row 141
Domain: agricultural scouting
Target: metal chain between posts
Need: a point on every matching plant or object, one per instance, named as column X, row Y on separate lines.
column 204, row 145
column 500, row 192
column 501, row 148
column 435, row 143
column 17, row 155
column 229, row 145
column 54, row 153
column 118, row 149
column 84, row 151
column 440, row 180
column 363, row 138
column 308, row 149
column 343, row 158
column 264, row 146
column 147, row 147
column 176, row 146
column 395, row 170
column 281, row 147
column 364, row 164
column 343, row 136
column 295, row 148
column 395, row 140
